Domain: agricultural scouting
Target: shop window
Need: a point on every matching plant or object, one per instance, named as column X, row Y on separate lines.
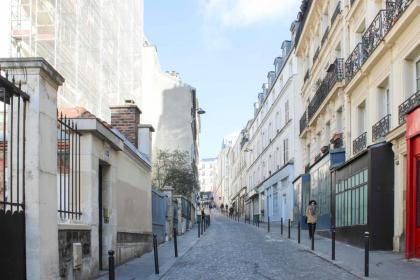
column 352, row 200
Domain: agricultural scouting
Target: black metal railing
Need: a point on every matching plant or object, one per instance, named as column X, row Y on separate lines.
column 316, row 54
column 334, row 75
column 325, row 36
column 407, row 106
column 68, row 169
column 374, row 35
column 359, row 144
column 381, row 128
column 303, row 123
column 306, row 77
column 13, row 109
column 337, row 11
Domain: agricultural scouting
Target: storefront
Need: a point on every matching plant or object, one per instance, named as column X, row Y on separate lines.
column 413, row 184
column 363, row 197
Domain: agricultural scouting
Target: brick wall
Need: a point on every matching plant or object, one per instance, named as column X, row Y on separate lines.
column 126, row 119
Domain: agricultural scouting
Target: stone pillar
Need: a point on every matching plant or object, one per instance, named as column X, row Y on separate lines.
column 170, row 218
column 40, row 81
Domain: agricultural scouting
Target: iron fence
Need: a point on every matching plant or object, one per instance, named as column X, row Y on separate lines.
column 408, row 105
column 68, row 167
column 359, row 144
column 381, row 128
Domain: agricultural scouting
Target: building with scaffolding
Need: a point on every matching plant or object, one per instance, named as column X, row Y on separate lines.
column 96, row 45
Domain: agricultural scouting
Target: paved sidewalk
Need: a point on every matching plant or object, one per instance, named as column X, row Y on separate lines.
column 144, row 267
column 383, row 264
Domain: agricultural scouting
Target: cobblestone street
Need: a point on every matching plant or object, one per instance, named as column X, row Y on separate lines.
column 234, row 250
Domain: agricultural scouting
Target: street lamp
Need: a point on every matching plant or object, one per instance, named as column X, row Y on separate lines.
column 247, row 150
column 200, row 111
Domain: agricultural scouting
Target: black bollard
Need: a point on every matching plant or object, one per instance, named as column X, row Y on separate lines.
column 288, row 229
column 209, row 220
column 268, row 224
column 258, row 221
column 198, row 228
column 367, row 234
column 155, row 252
column 202, row 225
column 333, row 243
column 175, row 243
column 281, row 226
column 298, row 232
column 111, row 265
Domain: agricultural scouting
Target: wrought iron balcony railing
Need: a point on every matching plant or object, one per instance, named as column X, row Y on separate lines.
column 410, row 104
column 337, row 11
column 325, row 36
column 334, row 75
column 374, row 35
column 303, row 123
column 381, row 128
column 359, row 144
column 306, row 76
column 316, row 54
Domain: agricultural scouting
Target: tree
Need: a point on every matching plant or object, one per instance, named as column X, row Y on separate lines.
column 174, row 169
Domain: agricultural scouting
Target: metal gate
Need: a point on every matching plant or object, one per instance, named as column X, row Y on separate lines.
column 13, row 103
column 159, row 212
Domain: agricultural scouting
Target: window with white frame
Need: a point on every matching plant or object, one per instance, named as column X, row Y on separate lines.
column 361, row 117
column 384, row 99
column 286, row 150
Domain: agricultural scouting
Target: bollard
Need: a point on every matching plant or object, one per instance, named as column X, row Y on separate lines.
column 281, row 226
column 298, row 232
column 111, row 265
column 155, row 253
column 258, row 221
column 198, row 228
column 175, row 243
column 367, row 235
column 202, row 225
column 333, row 243
column 288, row 229
column 209, row 220
column 268, row 224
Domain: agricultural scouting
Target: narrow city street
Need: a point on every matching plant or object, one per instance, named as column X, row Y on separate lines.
column 234, row 250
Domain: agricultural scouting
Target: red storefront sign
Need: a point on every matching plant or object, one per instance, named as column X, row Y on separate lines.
column 413, row 184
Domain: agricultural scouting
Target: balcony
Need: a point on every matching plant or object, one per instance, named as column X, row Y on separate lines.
column 337, row 11
column 374, row 35
column 407, row 106
column 359, row 144
column 325, row 36
column 381, row 128
column 316, row 54
column 303, row 123
column 334, row 75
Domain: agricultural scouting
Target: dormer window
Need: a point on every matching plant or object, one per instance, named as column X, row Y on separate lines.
column 278, row 63
column 271, row 77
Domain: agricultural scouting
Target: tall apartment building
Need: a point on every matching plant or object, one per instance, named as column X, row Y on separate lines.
column 361, row 65
column 96, row 45
column 206, row 173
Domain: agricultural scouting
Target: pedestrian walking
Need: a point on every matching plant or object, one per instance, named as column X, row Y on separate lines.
column 312, row 212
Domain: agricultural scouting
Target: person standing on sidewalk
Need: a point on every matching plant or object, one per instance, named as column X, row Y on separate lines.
column 312, row 212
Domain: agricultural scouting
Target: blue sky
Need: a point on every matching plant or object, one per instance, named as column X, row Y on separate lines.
column 224, row 48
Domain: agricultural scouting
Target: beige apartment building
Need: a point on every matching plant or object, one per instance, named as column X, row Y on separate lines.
column 361, row 60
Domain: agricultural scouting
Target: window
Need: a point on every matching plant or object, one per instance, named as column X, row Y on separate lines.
column 384, row 100
column 351, row 200
column 286, row 112
column 361, row 117
column 275, row 200
column 339, row 119
column 286, row 150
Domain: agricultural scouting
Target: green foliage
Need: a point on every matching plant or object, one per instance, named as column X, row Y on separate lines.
column 174, row 169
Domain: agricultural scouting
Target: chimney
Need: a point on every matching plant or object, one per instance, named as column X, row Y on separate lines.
column 126, row 118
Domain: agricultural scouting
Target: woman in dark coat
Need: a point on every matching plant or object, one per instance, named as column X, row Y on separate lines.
column 312, row 212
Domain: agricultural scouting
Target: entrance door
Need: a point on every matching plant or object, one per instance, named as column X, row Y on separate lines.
column 413, row 198
column 100, row 208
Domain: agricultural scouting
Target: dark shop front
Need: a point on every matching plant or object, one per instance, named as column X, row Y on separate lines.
column 363, row 197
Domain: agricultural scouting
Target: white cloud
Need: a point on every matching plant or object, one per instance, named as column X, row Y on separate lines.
column 238, row 13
